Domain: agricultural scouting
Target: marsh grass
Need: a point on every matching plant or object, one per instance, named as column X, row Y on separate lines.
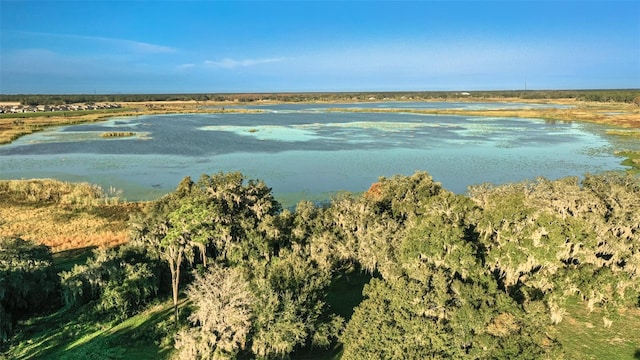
column 63, row 215
column 630, row 133
column 49, row 191
column 59, row 228
column 632, row 160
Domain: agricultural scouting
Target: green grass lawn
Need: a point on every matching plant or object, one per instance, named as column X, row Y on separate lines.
column 131, row 339
column 345, row 293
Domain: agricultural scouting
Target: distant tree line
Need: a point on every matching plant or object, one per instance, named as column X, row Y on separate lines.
column 621, row 95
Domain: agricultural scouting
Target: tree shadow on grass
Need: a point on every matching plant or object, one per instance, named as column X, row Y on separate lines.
column 343, row 296
column 134, row 338
column 66, row 259
column 637, row 354
column 41, row 335
column 63, row 335
column 345, row 292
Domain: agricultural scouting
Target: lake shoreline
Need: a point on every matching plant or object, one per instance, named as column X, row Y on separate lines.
column 623, row 115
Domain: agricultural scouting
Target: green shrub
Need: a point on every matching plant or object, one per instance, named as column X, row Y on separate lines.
column 28, row 281
column 119, row 281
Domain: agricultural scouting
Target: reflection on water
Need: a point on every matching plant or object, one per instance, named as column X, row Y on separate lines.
column 306, row 154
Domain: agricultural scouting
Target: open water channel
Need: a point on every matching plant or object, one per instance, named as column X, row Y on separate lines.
column 306, row 151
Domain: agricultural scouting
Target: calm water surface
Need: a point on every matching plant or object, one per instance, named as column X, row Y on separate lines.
column 302, row 151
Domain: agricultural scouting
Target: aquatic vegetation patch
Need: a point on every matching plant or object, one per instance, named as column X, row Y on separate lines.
column 599, row 151
column 266, row 132
column 387, row 126
column 112, row 134
column 634, row 133
column 632, row 160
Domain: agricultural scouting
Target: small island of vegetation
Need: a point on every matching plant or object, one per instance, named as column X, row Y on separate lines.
column 117, row 134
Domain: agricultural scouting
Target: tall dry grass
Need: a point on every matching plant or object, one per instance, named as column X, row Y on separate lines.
column 39, row 191
column 63, row 215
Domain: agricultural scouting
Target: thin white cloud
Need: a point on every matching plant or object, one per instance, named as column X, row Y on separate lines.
column 143, row 47
column 228, row 63
column 43, row 62
column 186, row 66
column 131, row 45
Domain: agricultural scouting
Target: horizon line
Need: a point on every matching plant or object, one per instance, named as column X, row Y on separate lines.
column 311, row 92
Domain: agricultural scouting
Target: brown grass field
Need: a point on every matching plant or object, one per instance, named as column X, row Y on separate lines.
column 62, row 215
column 62, row 229
column 43, row 226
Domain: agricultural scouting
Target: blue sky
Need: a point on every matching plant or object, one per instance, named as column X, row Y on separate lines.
column 265, row 46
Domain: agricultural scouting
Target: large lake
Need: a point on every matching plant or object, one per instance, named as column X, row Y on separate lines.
column 306, row 151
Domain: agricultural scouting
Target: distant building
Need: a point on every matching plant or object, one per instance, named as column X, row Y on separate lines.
column 44, row 108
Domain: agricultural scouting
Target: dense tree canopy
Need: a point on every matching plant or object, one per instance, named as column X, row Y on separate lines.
column 478, row 276
column 240, row 229
column 436, row 298
column 219, row 216
column 222, row 318
column 556, row 238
